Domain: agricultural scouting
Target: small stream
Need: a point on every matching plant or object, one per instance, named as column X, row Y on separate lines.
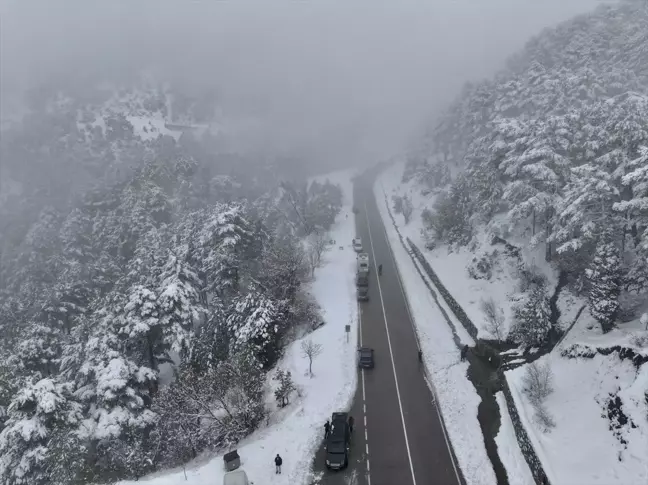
column 556, row 332
column 486, row 382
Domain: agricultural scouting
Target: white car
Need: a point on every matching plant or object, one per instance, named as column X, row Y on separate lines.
column 357, row 245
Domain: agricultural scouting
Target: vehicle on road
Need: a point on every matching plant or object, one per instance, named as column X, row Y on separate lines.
column 366, row 357
column 362, row 278
column 363, row 266
column 363, row 262
column 363, row 293
column 337, row 443
column 357, row 245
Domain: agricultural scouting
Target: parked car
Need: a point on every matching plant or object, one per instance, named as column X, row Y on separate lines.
column 363, row 266
column 363, row 293
column 366, row 357
column 337, row 443
column 357, row 245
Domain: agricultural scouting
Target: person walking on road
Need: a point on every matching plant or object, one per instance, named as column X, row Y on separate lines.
column 464, row 352
column 327, row 429
column 351, row 424
column 278, row 462
column 420, row 355
column 379, row 269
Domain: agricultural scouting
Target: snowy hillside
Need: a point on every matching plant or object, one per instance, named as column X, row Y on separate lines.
column 591, row 368
column 295, row 431
column 151, row 285
column 528, row 201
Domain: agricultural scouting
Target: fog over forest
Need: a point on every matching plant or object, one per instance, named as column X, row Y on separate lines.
column 323, row 79
column 216, row 214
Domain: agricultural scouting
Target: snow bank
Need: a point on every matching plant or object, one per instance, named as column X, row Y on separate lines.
column 295, row 431
column 508, row 449
column 457, row 397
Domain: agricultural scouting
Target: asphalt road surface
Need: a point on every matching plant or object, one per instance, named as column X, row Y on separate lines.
column 398, row 438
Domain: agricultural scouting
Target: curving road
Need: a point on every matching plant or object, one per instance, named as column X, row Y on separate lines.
column 399, row 438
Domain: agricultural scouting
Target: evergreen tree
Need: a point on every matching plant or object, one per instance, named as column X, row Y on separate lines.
column 285, row 387
column 605, row 278
column 532, row 317
column 35, row 413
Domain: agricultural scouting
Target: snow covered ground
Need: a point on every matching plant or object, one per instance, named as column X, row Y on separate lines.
column 456, row 395
column 509, row 450
column 583, row 446
column 295, row 431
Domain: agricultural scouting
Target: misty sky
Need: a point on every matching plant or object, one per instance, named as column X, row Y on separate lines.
column 338, row 77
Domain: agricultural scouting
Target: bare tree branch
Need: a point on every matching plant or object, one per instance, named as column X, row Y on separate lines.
column 310, row 350
column 494, row 318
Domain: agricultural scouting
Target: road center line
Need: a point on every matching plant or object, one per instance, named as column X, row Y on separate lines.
column 391, row 353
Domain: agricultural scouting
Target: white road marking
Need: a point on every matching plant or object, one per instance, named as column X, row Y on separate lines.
column 409, row 313
column 364, row 398
column 363, row 387
column 391, row 353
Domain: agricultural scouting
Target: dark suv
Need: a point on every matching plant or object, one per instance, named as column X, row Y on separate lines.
column 366, row 357
column 337, row 443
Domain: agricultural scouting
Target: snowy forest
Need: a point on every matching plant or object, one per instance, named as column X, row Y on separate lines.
column 148, row 283
column 556, row 147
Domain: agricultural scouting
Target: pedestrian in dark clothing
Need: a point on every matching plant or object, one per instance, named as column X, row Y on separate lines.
column 327, row 429
column 278, row 462
column 420, row 355
column 464, row 352
column 351, row 424
column 379, row 269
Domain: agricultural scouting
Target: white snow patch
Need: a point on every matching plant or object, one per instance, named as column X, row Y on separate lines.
column 582, row 448
column 149, row 128
column 295, row 431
